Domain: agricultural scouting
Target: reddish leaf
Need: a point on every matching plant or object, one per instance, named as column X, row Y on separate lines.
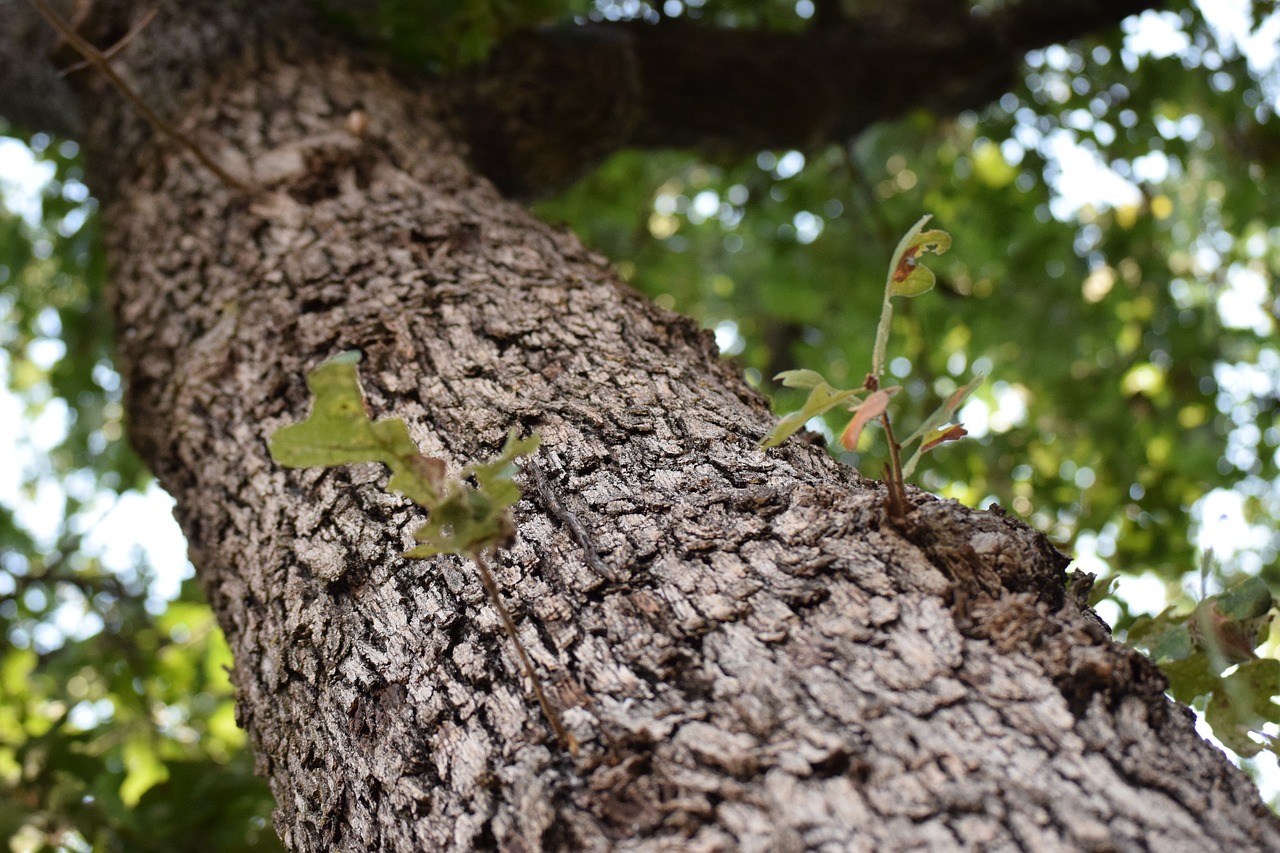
column 872, row 407
column 951, row 433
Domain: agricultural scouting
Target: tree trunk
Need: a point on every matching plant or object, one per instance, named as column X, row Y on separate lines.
column 750, row 655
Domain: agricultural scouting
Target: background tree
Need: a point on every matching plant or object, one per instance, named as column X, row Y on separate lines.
column 1109, row 356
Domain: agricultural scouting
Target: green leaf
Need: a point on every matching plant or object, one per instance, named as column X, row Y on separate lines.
column 822, row 399
column 783, row 430
column 494, row 476
column 906, row 276
column 916, row 279
column 1102, row 589
column 800, row 378
column 1190, row 678
column 471, row 518
column 421, row 481
column 1231, row 625
column 463, row 519
column 1243, row 704
column 936, row 420
column 339, row 429
column 955, row 432
column 1173, row 644
column 1166, row 637
column 1249, row 600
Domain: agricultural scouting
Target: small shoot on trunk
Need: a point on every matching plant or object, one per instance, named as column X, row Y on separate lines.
column 467, row 515
column 906, row 277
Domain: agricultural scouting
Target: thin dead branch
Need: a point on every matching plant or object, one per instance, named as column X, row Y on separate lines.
column 95, row 58
column 113, row 51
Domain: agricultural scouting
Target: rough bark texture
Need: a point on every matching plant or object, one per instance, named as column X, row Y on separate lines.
column 751, row 657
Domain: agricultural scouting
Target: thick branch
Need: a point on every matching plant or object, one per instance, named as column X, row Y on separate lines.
column 681, row 84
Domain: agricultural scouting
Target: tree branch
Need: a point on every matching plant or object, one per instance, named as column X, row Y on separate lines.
column 684, row 84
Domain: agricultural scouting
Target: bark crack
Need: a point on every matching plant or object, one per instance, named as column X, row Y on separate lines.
column 569, row 520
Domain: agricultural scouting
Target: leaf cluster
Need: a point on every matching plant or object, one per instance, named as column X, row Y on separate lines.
column 117, row 727
column 468, row 513
column 448, row 35
column 1209, row 656
column 1126, row 392
column 906, row 277
column 442, row 35
column 1110, row 419
column 126, row 739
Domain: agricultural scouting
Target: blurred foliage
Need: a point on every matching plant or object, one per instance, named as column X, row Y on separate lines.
column 126, row 740
column 1208, row 654
column 448, row 35
column 117, row 728
column 442, row 35
column 1129, row 335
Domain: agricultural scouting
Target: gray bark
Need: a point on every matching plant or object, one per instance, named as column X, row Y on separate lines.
column 750, row 655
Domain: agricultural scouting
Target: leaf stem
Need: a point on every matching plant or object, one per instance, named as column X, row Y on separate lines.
column 893, row 472
column 548, row 710
column 882, row 335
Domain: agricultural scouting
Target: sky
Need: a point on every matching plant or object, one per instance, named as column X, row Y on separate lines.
column 119, row 529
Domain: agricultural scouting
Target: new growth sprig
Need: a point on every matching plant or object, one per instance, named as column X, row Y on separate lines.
column 906, row 277
column 467, row 515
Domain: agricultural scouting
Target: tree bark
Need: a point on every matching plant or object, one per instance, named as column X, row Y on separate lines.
column 750, row 655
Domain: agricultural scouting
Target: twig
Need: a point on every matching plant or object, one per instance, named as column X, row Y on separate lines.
column 893, row 473
column 570, row 521
column 111, row 52
column 548, row 710
column 96, row 59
